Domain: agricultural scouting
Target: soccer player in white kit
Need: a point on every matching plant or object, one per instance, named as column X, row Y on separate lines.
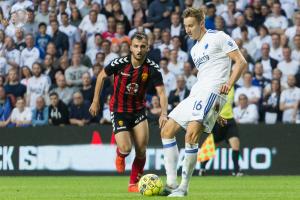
column 212, row 55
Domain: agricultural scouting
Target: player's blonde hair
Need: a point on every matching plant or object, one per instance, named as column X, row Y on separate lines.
column 199, row 14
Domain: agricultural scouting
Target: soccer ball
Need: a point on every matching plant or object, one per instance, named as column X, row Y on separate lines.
column 150, row 185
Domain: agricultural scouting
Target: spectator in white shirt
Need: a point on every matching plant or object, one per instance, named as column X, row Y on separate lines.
column 93, row 52
column 288, row 66
column 268, row 63
column 166, row 41
column 252, row 92
column 276, row 23
column 249, row 45
column 176, row 26
column 229, row 15
column 294, row 30
column 182, row 55
column 71, row 31
column 276, row 50
column 190, row 78
column 245, row 113
column 263, row 37
column 289, row 101
column 38, row 85
column 169, row 78
column 43, row 14
column 296, row 50
column 21, row 5
column 240, row 22
column 21, row 116
column 174, row 66
column 12, row 54
column 30, row 54
column 91, row 24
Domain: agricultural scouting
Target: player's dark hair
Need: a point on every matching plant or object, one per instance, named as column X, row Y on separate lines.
column 139, row 36
column 199, row 14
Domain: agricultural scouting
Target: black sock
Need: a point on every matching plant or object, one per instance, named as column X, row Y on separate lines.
column 235, row 159
column 203, row 164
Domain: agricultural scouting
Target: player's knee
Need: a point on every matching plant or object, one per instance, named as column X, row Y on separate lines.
column 166, row 133
column 140, row 153
column 192, row 137
column 125, row 148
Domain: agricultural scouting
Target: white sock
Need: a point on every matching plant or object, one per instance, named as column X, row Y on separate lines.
column 171, row 155
column 189, row 163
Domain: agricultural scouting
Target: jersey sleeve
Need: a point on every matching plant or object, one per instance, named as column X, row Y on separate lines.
column 114, row 66
column 227, row 44
column 157, row 79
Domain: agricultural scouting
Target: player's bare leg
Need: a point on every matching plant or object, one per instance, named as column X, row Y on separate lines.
column 235, row 145
column 124, row 146
column 171, row 154
column 193, row 132
column 140, row 136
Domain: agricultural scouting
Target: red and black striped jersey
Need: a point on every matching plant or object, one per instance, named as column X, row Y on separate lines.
column 130, row 84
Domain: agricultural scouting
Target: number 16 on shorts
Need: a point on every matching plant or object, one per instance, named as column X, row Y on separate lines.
column 197, row 105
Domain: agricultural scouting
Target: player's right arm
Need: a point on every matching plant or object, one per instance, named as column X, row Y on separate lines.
column 94, row 109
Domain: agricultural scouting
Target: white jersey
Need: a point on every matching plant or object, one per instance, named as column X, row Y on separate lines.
column 211, row 59
column 37, row 87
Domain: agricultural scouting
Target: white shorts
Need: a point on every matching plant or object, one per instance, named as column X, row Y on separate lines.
column 204, row 108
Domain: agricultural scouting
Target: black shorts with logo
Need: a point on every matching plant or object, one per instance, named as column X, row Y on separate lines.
column 226, row 132
column 126, row 121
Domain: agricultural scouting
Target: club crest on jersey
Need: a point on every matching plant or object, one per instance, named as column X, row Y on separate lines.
column 230, row 43
column 144, row 77
column 120, row 123
column 132, row 88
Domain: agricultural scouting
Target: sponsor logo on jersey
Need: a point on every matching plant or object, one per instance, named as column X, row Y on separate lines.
column 201, row 60
column 124, row 74
column 132, row 88
column 144, row 77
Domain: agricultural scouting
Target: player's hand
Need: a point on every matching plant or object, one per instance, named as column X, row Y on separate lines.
column 94, row 109
column 162, row 120
column 225, row 89
column 221, row 121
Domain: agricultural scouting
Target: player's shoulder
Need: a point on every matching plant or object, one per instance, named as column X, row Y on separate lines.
column 152, row 64
column 120, row 61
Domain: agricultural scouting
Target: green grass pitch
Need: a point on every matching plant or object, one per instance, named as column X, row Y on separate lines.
column 111, row 188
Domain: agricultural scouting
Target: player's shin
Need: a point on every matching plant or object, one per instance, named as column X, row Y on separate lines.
column 189, row 163
column 137, row 169
column 171, row 155
column 235, row 159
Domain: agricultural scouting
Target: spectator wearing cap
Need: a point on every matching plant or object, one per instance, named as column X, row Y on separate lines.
column 74, row 72
column 159, row 13
column 40, row 114
column 276, row 22
column 245, row 112
column 71, row 31
column 31, row 26
column 58, row 111
column 30, row 54
column 43, row 13
column 60, row 39
column 42, row 39
column 79, row 111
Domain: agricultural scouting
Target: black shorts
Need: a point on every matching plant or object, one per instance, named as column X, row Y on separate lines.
column 226, row 132
column 126, row 121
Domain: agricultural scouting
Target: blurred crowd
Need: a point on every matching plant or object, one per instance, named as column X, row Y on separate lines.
column 51, row 52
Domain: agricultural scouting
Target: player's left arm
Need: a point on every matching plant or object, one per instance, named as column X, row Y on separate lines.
column 161, row 92
column 239, row 66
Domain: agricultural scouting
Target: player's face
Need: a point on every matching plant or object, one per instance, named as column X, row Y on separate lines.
column 139, row 48
column 192, row 27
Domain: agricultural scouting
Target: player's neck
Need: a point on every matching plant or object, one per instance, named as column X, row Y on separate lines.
column 136, row 63
column 202, row 33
